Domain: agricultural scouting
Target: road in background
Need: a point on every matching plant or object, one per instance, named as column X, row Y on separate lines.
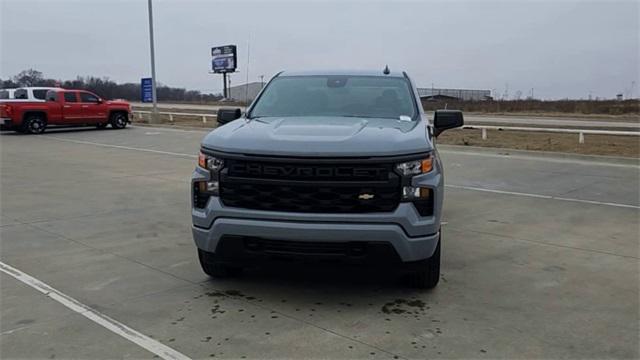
column 512, row 120
column 540, row 260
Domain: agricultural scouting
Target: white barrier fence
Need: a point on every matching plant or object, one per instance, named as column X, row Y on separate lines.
column 174, row 114
column 581, row 132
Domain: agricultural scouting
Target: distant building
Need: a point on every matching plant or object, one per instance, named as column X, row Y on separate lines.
column 454, row 94
column 240, row 93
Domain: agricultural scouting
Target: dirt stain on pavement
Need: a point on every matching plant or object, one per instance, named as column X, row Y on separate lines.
column 234, row 293
column 404, row 306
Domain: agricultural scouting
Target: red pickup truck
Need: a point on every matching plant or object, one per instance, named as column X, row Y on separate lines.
column 64, row 107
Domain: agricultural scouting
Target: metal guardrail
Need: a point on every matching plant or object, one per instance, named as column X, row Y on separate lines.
column 581, row 132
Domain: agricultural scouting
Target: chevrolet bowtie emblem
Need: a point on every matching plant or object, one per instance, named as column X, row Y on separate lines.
column 366, row 196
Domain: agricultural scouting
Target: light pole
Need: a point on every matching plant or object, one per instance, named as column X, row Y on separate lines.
column 154, row 116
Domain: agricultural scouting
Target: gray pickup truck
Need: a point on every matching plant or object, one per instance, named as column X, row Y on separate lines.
column 324, row 167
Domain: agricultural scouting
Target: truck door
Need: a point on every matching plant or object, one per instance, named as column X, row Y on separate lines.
column 94, row 110
column 71, row 109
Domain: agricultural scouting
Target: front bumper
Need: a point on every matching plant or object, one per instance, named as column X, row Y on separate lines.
column 6, row 122
column 413, row 237
column 407, row 248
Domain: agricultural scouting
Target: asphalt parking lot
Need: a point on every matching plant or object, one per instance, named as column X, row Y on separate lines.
column 540, row 260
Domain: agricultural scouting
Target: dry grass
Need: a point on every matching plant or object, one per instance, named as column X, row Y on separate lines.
column 517, row 107
column 625, row 146
column 568, row 116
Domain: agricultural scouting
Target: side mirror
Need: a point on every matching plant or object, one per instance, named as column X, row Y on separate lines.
column 226, row 115
column 446, row 119
column 100, row 101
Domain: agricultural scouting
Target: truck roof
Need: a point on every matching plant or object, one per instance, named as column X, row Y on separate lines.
column 40, row 88
column 378, row 72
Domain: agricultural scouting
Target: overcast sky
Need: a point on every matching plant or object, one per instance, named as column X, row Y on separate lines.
column 559, row 48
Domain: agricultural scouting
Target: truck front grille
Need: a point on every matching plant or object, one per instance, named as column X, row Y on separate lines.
column 309, row 187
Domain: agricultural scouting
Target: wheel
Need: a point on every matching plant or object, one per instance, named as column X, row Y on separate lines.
column 213, row 269
column 34, row 124
column 118, row 120
column 101, row 125
column 429, row 275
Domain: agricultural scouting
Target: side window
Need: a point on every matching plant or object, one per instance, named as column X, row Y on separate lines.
column 40, row 94
column 70, row 97
column 21, row 94
column 88, row 98
column 52, row 96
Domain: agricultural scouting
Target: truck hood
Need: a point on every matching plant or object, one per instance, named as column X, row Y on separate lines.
column 320, row 137
column 117, row 102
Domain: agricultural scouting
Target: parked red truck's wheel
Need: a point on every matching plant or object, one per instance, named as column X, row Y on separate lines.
column 34, row 124
column 118, row 120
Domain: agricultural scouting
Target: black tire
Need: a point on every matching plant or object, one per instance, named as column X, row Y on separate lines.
column 118, row 120
column 429, row 274
column 216, row 270
column 102, row 125
column 34, row 124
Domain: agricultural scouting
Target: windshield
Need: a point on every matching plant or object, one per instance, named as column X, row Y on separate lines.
column 348, row 96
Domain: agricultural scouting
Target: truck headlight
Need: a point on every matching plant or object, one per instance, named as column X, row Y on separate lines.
column 209, row 162
column 204, row 189
column 421, row 197
column 415, row 167
column 415, row 193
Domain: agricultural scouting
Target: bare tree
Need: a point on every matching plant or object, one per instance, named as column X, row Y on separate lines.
column 29, row 77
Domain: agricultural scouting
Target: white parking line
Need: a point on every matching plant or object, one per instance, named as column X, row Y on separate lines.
column 539, row 196
column 110, row 324
column 122, row 147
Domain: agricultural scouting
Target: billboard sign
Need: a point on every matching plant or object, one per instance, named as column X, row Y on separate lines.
column 146, row 90
column 223, row 59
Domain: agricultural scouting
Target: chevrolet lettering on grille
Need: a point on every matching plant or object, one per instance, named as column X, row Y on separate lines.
column 304, row 171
